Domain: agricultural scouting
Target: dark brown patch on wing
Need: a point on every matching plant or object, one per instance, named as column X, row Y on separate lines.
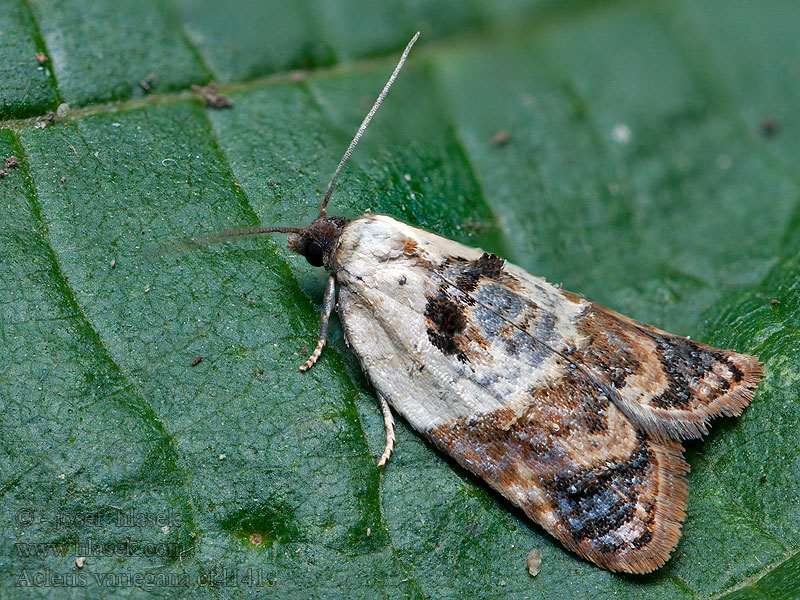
column 447, row 320
column 668, row 385
column 487, row 266
column 613, row 495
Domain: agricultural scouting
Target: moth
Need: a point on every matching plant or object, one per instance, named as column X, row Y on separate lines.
column 570, row 410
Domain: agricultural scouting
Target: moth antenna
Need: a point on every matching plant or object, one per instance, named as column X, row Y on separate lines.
column 365, row 123
column 223, row 236
column 203, row 241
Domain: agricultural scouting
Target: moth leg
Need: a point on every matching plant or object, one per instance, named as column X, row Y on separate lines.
column 327, row 307
column 388, row 422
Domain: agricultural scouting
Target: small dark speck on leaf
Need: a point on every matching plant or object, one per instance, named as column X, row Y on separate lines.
column 273, row 183
column 500, row 138
column 769, row 127
column 12, row 162
column 147, row 83
column 305, row 350
column 50, row 117
column 763, row 478
column 214, row 99
column 197, row 361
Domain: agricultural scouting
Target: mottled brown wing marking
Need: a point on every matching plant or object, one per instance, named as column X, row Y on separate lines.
column 447, row 310
column 466, row 274
column 487, row 266
column 626, row 514
column 611, row 494
column 411, row 248
column 669, row 385
column 572, row 296
column 688, row 363
column 477, row 304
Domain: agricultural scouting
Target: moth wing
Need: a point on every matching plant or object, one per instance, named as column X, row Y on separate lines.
column 669, row 385
column 610, row 493
column 562, row 451
column 475, row 355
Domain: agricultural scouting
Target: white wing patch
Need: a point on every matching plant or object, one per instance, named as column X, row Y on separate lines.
column 391, row 277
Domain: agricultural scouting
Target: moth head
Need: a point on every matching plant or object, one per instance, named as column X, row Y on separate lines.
column 318, row 241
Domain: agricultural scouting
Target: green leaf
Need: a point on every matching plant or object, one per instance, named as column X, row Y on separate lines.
column 650, row 164
column 27, row 86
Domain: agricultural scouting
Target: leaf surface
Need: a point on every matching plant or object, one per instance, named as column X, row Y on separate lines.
column 647, row 160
